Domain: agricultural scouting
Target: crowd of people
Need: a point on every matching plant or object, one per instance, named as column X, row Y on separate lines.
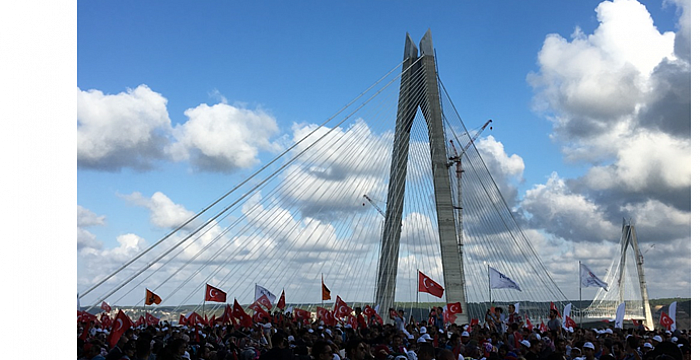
column 500, row 335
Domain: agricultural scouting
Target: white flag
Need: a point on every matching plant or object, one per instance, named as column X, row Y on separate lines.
column 289, row 311
column 517, row 307
column 260, row 291
column 500, row 281
column 620, row 315
column 567, row 313
column 672, row 315
column 588, row 278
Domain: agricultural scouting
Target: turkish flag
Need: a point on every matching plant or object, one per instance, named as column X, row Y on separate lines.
column 352, row 321
column 361, row 321
column 106, row 321
column 152, row 298
column 665, row 320
column 340, row 309
column 214, row 294
column 264, row 300
column 569, row 322
column 474, row 322
column 529, row 324
column 426, row 284
column 244, row 319
column 106, row 307
column 151, row 320
column 256, row 307
column 326, row 316
column 369, row 311
column 449, row 317
column 84, row 316
column 195, row 319
column 121, row 324
column 258, row 316
column 281, row 304
column 227, row 317
column 635, row 323
column 454, row 308
column 301, row 314
column 140, row 321
column 543, row 327
column 183, row 320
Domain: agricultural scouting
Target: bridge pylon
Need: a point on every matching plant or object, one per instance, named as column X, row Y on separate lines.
column 419, row 76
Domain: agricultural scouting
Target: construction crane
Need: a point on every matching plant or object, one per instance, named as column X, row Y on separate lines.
column 373, row 204
column 457, row 159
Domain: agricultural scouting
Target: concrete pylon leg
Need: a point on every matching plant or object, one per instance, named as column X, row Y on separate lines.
column 419, row 76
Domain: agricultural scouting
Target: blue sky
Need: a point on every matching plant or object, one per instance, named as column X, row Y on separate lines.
column 300, row 62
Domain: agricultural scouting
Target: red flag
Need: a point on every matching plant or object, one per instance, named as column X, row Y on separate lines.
column 281, row 304
column 635, row 323
column 379, row 319
column 261, row 314
column 352, row 321
column 106, row 307
column 393, row 313
column 426, row 284
column 227, row 317
column 665, row 320
column 554, row 307
column 256, row 307
column 264, row 300
column 361, row 321
column 214, row 294
column 543, row 327
column 369, row 311
column 194, row 319
column 449, row 317
column 325, row 291
column 569, row 322
column 140, row 321
column 106, row 321
column 84, row 316
column 152, row 298
column 529, row 324
column 86, row 331
column 454, row 308
column 183, row 320
column 325, row 316
column 121, row 324
column 474, row 322
column 244, row 319
column 301, row 314
column 340, row 309
column 151, row 320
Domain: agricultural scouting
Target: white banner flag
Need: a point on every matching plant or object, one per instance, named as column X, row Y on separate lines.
column 500, row 281
column 588, row 278
column 672, row 315
column 620, row 315
column 566, row 314
column 260, row 291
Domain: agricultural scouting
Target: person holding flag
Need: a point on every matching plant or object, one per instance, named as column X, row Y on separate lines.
column 554, row 324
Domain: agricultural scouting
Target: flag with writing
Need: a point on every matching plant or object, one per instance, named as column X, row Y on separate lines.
column 260, row 291
column 152, row 298
column 282, row 303
column 106, row 307
column 498, row 280
column 121, row 323
column 340, row 309
column 428, row 285
column 666, row 321
column 325, row 291
column 588, row 278
column 214, row 294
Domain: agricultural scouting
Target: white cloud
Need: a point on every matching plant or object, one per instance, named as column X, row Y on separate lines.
column 223, row 137
column 124, row 130
column 85, row 238
column 89, row 218
column 164, row 212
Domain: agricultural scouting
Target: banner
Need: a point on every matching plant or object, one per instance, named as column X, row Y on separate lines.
column 672, row 315
column 498, row 280
column 214, row 294
column 588, row 278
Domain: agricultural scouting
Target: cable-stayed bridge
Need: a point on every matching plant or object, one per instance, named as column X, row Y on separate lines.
column 390, row 185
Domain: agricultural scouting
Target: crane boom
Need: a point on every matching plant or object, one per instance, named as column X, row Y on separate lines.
column 375, row 205
column 471, row 141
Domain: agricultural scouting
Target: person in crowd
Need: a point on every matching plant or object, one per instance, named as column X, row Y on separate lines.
column 279, row 350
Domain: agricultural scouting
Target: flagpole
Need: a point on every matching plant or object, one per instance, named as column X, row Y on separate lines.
column 580, row 314
column 323, row 302
column 417, row 287
column 488, row 270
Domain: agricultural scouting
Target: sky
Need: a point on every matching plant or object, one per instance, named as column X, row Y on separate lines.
column 590, row 102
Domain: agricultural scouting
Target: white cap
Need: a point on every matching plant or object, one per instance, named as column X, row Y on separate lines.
column 674, row 339
column 648, row 345
column 311, row 331
column 668, row 332
column 321, row 327
column 538, row 336
column 465, row 333
column 525, row 343
column 328, row 331
column 608, row 331
column 410, row 337
column 589, row 345
column 421, row 340
column 423, row 330
column 657, row 338
column 426, row 337
column 441, row 331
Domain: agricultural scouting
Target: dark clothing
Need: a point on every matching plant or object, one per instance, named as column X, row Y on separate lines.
column 115, row 354
column 278, row 353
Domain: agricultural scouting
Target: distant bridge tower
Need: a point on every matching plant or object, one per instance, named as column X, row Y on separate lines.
column 419, row 77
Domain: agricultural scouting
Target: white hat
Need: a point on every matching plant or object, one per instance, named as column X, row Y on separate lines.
column 410, row 337
column 427, row 337
column 311, row 331
column 668, row 332
column 347, row 326
column 441, row 331
column 465, row 333
column 525, row 343
column 423, row 330
column 608, row 331
column 328, row 331
column 421, row 340
column 589, row 345
column 321, row 327
column 648, row 345
column 290, row 338
column 674, row 339
column 538, row 336
column 657, row 338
